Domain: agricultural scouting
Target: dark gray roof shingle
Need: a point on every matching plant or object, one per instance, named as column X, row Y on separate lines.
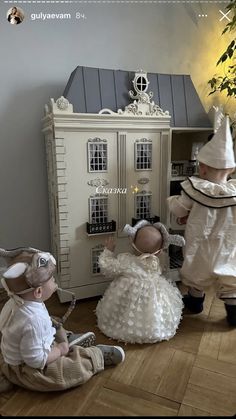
column 91, row 89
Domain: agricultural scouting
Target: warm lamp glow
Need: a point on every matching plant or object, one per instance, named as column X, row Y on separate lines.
column 206, row 59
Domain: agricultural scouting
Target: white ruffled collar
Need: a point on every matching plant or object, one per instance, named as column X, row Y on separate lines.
column 227, row 189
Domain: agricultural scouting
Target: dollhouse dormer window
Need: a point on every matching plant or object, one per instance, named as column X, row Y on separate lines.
column 98, row 206
column 140, row 82
column 143, row 154
column 143, row 205
column 97, row 155
column 95, row 253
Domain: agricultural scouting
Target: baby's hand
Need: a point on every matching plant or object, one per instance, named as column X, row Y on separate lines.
column 110, row 243
column 64, row 348
column 61, row 335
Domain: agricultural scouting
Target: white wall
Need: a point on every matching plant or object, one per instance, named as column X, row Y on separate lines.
column 36, row 59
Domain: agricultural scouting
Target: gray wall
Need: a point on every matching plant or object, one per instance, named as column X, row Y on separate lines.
column 36, row 59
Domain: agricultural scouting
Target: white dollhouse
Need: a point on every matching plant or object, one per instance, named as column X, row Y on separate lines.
column 105, row 169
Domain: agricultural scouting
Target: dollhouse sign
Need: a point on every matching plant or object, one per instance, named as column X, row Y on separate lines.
column 93, row 161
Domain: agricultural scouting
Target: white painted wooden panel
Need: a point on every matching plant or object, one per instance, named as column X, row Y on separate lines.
column 134, row 177
column 79, row 191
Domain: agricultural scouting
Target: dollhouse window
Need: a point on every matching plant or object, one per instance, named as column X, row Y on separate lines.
column 141, row 84
column 143, row 206
column 98, row 209
column 97, row 155
column 96, row 251
column 143, row 155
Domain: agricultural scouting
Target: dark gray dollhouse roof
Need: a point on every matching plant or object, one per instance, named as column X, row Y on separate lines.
column 91, row 89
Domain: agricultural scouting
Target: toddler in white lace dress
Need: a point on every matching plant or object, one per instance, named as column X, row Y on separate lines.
column 140, row 305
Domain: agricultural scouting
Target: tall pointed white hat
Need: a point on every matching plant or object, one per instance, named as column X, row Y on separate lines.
column 219, row 151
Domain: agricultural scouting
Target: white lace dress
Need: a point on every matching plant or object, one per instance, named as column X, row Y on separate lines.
column 140, row 305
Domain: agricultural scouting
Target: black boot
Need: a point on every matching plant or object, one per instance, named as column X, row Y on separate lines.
column 193, row 304
column 231, row 314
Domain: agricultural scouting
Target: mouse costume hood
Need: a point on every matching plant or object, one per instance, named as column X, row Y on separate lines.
column 28, row 268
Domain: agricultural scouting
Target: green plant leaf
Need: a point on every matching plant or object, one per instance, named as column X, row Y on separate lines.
column 211, row 93
column 228, row 81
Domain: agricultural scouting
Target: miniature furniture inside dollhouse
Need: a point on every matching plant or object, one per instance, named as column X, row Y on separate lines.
column 113, row 157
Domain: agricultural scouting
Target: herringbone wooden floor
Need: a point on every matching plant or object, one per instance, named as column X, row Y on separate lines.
column 193, row 374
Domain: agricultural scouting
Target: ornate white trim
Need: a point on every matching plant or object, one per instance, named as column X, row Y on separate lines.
column 46, row 109
column 140, row 82
column 142, row 105
column 142, row 101
column 122, row 179
column 106, row 111
column 58, row 198
column 98, row 182
column 61, row 105
column 143, row 180
column 98, row 195
column 143, row 140
column 96, row 140
column 143, row 193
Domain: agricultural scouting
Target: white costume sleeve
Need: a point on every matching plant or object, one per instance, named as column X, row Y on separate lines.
column 180, row 205
column 109, row 264
column 34, row 346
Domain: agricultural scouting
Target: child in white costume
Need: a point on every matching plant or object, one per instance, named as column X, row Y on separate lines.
column 209, row 203
column 33, row 355
column 140, row 305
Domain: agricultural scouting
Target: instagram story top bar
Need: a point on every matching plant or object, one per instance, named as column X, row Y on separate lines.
column 114, row 1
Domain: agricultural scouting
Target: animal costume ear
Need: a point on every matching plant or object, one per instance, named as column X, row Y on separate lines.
column 164, row 233
column 177, row 240
column 168, row 239
column 41, row 269
column 131, row 231
column 15, row 271
column 37, row 266
column 20, row 254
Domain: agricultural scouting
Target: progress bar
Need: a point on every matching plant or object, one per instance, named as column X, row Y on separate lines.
column 115, row 1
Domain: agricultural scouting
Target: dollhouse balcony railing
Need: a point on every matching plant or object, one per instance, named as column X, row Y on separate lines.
column 101, row 228
column 151, row 220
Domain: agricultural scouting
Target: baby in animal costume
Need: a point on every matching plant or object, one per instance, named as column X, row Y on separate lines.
column 33, row 355
column 140, row 305
column 209, row 203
